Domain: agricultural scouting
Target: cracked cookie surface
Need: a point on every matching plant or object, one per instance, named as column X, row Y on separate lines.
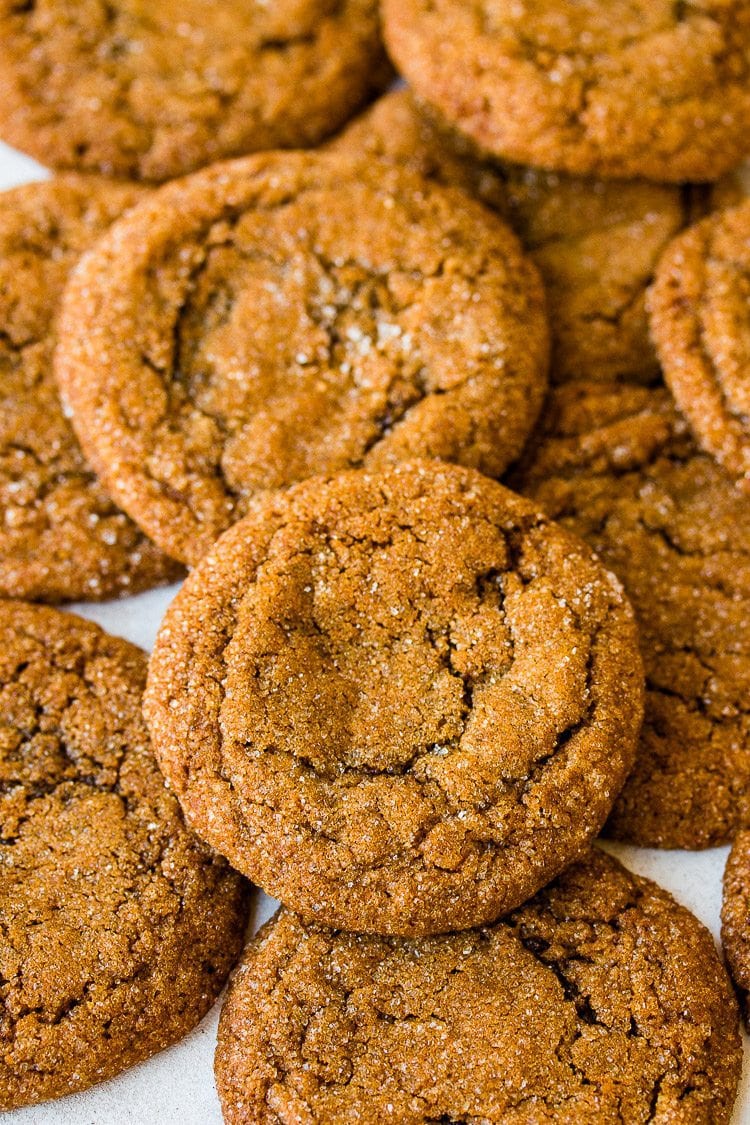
column 628, row 88
column 700, row 321
column 118, row 926
column 618, row 467
column 601, row 1001
column 735, row 917
column 595, row 242
column 399, row 702
column 287, row 315
column 153, row 91
column 61, row 537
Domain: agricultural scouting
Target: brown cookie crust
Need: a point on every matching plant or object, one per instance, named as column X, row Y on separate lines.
column 600, row 1001
column 700, row 320
column 401, row 702
column 595, row 242
column 735, row 918
column 617, row 466
column 61, row 537
column 118, row 925
column 155, row 91
column 287, row 315
column 614, row 88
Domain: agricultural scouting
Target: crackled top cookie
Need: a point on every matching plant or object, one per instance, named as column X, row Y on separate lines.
column 118, row 925
column 598, row 1002
column 735, row 917
column 281, row 316
column 595, row 242
column 617, row 466
column 153, row 91
column 401, row 701
column 61, row 537
column 700, row 320
column 626, row 88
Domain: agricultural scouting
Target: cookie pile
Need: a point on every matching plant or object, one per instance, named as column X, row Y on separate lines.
column 469, row 580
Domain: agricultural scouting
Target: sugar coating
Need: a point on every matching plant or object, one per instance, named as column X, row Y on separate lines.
column 399, row 702
column 118, row 926
column 735, row 917
column 153, row 91
column 616, row 88
column 61, row 536
column 293, row 314
column 600, row 1001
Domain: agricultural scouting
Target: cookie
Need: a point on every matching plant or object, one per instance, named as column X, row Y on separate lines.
column 701, row 325
column 294, row 314
column 61, row 537
column 119, row 926
column 735, row 917
column 400, row 702
column 600, row 1001
column 613, row 88
column 153, row 92
column 596, row 242
column 617, row 466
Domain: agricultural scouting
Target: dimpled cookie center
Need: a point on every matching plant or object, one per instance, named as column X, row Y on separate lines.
column 308, row 333
column 405, row 672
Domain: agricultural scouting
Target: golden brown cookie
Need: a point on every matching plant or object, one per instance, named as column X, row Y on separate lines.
column 599, row 1002
column 700, row 320
column 595, row 242
column 735, row 917
column 625, row 88
column 152, row 91
column 293, row 314
column 617, row 466
column 61, row 537
column 400, row 702
column 118, row 925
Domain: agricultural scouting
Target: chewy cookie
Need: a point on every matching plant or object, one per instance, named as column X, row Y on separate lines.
column 617, row 466
column 400, row 702
column 700, row 319
column 595, row 242
column 735, row 917
column 61, row 537
column 287, row 315
column 118, row 926
column 153, row 91
column 600, row 1001
column 625, row 88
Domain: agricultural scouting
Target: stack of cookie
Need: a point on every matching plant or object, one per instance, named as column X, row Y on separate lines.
column 394, row 693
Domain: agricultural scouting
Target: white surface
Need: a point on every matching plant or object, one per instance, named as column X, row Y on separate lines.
column 176, row 1087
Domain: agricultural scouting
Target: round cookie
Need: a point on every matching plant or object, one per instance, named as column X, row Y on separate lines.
column 61, row 537
column 294, row 314
column 119, row 926
column 616, row 88
column 700, row 321
column 596, row 242
column 152, row 91
column 600, row 1001
column 617, row 466
column 400, row 702
column 735, row 917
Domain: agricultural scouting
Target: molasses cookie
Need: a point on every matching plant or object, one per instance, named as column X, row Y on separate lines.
column 700, row 319
column 292, row 314
column 596, row 243
column 625, row 88
column 617, row 466
column 118, row 925
column 600, row 1001
column 401, row 702
column 153, row 91
column 735, row 917
column 61, row 537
